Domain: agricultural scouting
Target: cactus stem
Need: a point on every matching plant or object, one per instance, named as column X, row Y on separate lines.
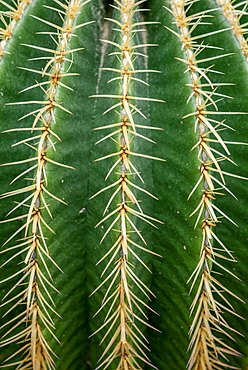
column 37, row 352
column 124, row 344
column 206, row 348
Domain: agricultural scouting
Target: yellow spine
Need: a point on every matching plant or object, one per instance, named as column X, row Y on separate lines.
column 9, row 19
column 208, row 350
column 126, row 344
column 37, row 352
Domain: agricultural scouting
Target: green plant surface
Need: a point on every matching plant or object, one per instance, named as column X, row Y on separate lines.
column 92, row 65
column 176, row 354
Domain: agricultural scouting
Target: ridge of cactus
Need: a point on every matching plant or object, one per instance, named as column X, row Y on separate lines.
column 127, row 344
column 35, row 296
column 208, row 349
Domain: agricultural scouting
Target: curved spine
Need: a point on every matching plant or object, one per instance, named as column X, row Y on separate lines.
column 127, row 342
column 39, row 305
column 208, row 350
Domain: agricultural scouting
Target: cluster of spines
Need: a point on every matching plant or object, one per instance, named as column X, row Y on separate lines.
column 35, row 297
column 9, row 20
column 208, row 349
column 233, row 14
column 127, row 344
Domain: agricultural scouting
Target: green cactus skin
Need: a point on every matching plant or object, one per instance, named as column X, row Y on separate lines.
column 79, row 244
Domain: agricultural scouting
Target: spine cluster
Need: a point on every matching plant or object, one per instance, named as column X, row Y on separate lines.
column 9, row 19
column 208, row 349
column 127, row 344
column 35, row 298
column 233, row 14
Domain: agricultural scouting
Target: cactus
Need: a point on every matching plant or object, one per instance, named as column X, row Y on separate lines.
column 123, row 181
